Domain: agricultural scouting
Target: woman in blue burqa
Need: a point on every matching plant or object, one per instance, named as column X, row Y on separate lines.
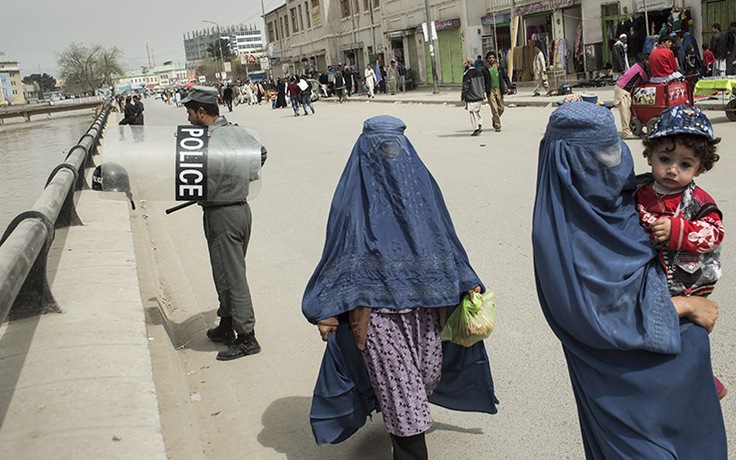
column 391, row 264
column 639, row 361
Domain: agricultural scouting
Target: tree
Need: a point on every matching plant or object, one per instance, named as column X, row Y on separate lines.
column 213, row 50
column 45, row 81
column 86, row 69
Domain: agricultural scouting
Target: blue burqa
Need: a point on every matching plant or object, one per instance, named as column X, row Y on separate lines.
column 642, row 378
column 390, row 243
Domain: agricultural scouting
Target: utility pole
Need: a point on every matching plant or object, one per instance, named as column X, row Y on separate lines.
column 435, row 90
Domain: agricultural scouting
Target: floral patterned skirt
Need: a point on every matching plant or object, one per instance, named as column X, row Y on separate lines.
column 403, row 354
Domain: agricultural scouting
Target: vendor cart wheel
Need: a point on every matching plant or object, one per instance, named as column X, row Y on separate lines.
column 635, row 125
column 731, row 110
column 650, row 125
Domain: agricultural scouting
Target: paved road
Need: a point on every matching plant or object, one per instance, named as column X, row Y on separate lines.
column 257, row 407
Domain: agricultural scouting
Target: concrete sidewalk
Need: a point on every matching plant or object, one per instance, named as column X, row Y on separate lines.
column 450, row 95
column 79, row 384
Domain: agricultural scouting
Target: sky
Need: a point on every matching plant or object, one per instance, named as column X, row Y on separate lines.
column 34, row 35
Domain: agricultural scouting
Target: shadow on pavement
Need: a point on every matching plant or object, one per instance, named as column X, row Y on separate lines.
column 286, row 429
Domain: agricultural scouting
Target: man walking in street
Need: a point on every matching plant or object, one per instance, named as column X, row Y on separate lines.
column 227, row 97
column 227, row 227
column 619, row 58
column 393, row 78
column 499, row 84
column 401, row 71
column 540, row 71
column 473, row 92
column 718, row 46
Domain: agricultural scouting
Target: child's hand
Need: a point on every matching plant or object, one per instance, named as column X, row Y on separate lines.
column 662, row 228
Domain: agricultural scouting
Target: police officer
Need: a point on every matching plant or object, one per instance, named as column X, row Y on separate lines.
column 227, row 226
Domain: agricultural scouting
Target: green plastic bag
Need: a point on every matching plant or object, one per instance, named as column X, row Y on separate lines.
column 472, row 320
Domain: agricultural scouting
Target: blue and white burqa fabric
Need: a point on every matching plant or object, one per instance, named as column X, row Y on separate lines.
column 642, row 378
column 391, row 244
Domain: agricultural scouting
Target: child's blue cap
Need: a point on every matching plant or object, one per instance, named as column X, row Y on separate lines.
column 682, row 119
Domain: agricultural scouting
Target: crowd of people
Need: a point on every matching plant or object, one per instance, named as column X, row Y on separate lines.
column 393, row 267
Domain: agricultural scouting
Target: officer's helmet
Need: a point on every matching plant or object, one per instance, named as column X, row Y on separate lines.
column 110, row 177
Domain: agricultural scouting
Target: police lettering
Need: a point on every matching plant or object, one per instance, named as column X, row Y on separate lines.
column 191, row 163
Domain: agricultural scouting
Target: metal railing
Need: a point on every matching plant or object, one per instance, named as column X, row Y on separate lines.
column 25, row 244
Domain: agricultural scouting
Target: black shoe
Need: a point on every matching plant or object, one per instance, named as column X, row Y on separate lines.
column 476, row 132
column 223, row 333
column 244, row 345
column 535, row 94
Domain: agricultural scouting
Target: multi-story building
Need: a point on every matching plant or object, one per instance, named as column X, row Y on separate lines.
column 576, row 36
column 168, row 74
column 243, row 40
column 11, row 85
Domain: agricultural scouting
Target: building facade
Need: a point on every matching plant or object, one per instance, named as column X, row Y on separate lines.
column 167, row 75
column 11, row 84
column 577, row 36
column 243, row 40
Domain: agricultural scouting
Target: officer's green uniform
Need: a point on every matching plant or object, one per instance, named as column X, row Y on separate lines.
column 227, row 222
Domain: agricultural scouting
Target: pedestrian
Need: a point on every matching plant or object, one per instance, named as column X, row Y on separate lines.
column 401, row 71
column 472, row 94
column 691, row 62
column 250, row 98
column 305, row 93
column 682, row 220
column 391, row 263
column 258, row 91
column 137, row 125
column 708, row 60
column 129, row 115
column 731, row 50
column 540, row 71
column 635, row 76
column 619, row 57
column 499, row 85
column 339, row 86
column 638, row 360
column 347, row 77
column 383, row 77
column 227, row 97
column 393, row 78
column 370, row 80
column 280, row 93
column 177, row 98
column 718, row 47
column 227, row 226
column 292, row 90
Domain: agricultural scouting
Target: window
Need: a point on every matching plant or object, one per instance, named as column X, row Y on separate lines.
column 294, row 24
column 301, row 19
column 345, row 8
column 271, row 36
column 315, row 13
column 306, row 9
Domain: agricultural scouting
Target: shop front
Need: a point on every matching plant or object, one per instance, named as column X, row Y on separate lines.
column 449, row 52
column 497, row 34
column 554, row 25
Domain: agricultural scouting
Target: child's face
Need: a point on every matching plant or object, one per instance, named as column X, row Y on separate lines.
column 674, row 169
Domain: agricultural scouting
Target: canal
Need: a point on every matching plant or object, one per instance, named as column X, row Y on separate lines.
column 30, row 151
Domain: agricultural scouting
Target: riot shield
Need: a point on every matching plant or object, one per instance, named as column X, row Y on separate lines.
column 216, row 164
